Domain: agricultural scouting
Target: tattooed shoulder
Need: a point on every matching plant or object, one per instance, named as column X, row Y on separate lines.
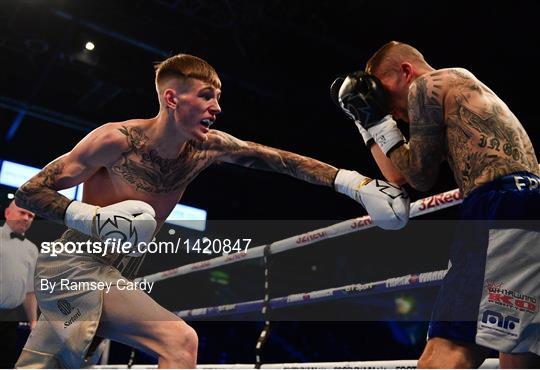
column 222, row 140
column 484, row 138
column 135, row 137
column 425, row 101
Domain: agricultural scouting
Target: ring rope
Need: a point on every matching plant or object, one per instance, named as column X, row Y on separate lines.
column 406, row 282
column 418, row 208
column 490, row 363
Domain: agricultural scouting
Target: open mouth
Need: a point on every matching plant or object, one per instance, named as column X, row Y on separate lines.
column 207, row 123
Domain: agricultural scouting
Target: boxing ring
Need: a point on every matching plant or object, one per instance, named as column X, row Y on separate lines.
column 491, row 363
column 266, row 304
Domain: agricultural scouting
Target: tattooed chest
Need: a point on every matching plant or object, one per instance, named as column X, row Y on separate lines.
column 150, row 173
column 144, row 168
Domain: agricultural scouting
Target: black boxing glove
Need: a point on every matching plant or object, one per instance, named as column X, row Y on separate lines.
column 363, row 98
column 334, row 91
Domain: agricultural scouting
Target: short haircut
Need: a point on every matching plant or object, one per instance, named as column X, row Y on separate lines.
column 389, row 57
column 184, row 66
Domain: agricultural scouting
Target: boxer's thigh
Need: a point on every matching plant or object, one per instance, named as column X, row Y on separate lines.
column 135, row 319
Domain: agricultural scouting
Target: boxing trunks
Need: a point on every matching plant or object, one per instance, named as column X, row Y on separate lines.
column 490, row 293
column 64, row 336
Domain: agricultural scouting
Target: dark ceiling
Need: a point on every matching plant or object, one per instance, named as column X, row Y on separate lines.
column 276, row 59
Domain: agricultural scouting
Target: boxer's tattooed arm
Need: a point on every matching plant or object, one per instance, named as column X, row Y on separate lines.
column 419, row 160
column 37, row 194
column 261, row 157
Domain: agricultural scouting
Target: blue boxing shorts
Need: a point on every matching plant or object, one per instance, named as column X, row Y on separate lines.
column 490, row 293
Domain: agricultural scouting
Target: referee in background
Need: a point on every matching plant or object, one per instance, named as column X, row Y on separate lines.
column 17, row 263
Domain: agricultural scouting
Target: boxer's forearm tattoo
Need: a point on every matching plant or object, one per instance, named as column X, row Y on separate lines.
column 261, row 157
column 38, row 195
column 145, row 169
column 303, row 168
column 419, row 160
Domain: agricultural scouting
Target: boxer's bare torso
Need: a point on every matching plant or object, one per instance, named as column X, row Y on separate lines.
column 456, row 117
column 122, row 160
column 137, row 170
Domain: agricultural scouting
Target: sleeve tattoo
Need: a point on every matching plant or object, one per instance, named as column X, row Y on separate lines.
column 419, row 160
column 38, row 194
column 261, row 157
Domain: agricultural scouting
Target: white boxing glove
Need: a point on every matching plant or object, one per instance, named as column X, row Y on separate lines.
column 387, row 134
column 128, row 221
column 387, row 204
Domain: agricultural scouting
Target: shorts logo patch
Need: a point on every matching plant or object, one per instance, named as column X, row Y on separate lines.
column 511, row 299
column 497, row 321
column 77, row 315
column 525, row 182
column 64, row 306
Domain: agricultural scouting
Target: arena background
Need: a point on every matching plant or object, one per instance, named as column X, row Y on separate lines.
column 276, row 60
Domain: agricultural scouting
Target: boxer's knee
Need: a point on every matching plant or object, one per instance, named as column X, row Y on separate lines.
column 453, row 360
column 179, row 345
column 443, row 353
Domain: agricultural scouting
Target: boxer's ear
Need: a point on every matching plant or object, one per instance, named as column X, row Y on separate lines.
column 407, row 70
column 170, row 99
